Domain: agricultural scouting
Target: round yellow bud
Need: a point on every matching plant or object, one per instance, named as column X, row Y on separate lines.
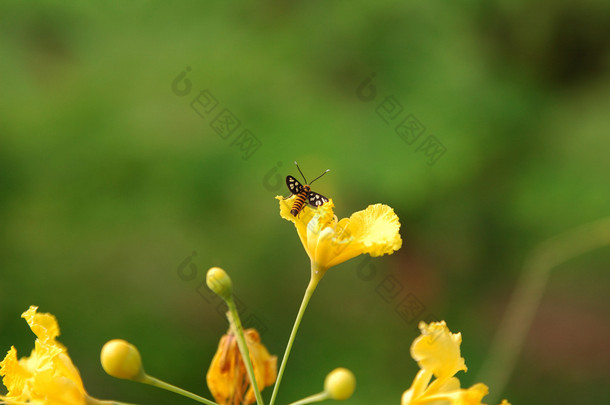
column 219, row 281
column 121, row 359
column 340, row 384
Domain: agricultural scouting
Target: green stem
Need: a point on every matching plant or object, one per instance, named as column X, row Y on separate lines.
column 95, row 401
column 528, row 293
column 311, row 287
column 238, row 330
column 312, row 398
column 155, row 382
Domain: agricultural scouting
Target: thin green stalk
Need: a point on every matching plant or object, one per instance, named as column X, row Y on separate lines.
column 528, row 293
column 238, row 330
column 155, row 382
column 311, row 287
column 95, row 401
column 312, row 398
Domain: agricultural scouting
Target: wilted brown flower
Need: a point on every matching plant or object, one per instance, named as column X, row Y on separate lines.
column 227, row 377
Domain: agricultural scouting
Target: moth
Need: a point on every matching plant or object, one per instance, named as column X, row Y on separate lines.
column 303, row 193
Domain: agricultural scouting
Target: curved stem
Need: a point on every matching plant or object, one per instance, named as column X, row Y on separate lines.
column 312, row 398
column 238, row 331
column 311, row 287
column 94, row 401
column 155, row 382
column 525, row 301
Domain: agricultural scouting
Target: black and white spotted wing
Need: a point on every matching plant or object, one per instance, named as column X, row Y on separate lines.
column 316, row 199
column 293, row 185
column 303, row 194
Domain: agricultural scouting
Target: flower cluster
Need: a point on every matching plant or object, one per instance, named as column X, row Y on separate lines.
column 242, row 367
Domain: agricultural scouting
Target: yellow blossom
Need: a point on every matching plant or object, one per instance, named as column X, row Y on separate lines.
column 227, row 377
column 437, row 352
column 48, row 376
column 329, row 241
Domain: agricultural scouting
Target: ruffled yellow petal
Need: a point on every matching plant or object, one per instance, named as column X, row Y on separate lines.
column 15, row 376
column 227, row 377
column 438, row 350
column 44, row 326
column 374, row 230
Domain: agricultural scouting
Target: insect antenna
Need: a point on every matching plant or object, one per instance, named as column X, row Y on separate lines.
column 326, row 171
column 300, row 171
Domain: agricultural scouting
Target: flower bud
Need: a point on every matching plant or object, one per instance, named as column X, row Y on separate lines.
column 340, row 384
column 121, row 359
column 219, row 281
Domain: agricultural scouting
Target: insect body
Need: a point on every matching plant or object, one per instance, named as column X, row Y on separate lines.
column 303, row 193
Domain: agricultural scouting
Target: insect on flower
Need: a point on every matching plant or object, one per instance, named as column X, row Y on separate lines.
column 303, row 192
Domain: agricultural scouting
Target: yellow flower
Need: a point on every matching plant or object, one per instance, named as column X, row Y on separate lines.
column 437, row 352
column 227, row 377
column 329, row 241
column 48, row 376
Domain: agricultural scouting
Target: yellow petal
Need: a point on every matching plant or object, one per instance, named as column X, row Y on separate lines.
column 300, row 225
column 15, row 376
column 471, row 396
column 54, row 388
column 442, row 387
column 374, row 230
column 418, row 387
column 452, row 394
column 44, row 326
column 438, row 350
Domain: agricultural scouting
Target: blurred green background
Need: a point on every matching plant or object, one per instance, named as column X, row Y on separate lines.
column 109, row 181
